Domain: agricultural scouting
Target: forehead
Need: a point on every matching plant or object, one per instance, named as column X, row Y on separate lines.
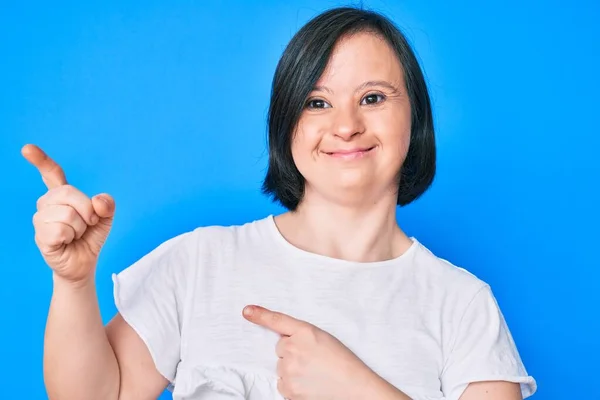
column 359, row 58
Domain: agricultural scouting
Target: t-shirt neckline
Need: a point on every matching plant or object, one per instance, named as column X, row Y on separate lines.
column 319, row 259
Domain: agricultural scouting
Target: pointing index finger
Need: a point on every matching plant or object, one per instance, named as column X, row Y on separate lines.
column 52, row 174
column 273, row 320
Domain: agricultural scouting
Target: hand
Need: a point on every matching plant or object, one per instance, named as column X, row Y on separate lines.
column 312, row 363
column 70, row 228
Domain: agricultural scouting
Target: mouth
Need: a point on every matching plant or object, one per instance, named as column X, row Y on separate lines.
column 347, row 154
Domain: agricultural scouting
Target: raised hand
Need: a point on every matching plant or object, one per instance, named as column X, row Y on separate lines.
column 70, row 228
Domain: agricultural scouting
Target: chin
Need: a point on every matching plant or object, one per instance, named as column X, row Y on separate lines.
column 349, row 187
column 356, row 178
column 352, row 184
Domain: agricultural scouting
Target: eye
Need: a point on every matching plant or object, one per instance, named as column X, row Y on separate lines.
column 317, row 104
column 373, row 98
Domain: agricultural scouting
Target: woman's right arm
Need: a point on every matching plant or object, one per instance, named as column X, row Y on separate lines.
column 85, row 360
column 82, row 358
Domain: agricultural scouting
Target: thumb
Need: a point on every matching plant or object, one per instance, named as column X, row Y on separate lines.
column 95, row 235
column 104, row 205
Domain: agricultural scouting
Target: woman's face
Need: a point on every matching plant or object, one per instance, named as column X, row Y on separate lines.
column 353, row 134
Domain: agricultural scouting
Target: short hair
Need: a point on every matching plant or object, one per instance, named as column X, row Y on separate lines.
column 300, row 67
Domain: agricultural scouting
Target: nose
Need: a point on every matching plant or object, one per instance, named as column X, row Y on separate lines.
column 348, row 123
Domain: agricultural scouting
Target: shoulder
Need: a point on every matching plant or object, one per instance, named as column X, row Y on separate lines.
column 203, row 242
column 208, row 245
column 210, row 235
column 445, row 277
column 225, row 237
column 178, row 259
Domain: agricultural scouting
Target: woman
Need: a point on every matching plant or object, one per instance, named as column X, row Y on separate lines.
column 338, row 302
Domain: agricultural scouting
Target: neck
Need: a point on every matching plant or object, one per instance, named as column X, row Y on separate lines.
column 360, row 233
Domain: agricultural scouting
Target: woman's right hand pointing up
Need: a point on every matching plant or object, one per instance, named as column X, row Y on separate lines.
column 70, row 228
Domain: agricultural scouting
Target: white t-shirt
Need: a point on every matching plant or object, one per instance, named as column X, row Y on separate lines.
column 426, row 326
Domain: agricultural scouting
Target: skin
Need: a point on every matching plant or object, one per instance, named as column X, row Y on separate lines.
column 359, row 194
column 82, row 358
column 344, row 194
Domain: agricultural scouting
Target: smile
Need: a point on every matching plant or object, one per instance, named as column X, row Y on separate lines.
column 350, row 154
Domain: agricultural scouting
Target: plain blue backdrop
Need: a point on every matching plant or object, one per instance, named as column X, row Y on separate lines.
column 163, row 105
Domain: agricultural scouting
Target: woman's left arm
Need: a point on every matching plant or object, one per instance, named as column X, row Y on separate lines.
column 313, row 364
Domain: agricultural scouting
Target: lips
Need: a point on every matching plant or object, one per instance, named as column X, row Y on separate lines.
column 349, row 152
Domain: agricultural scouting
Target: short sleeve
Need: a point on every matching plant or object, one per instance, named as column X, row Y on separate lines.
column 483, row 350
column 150, row 294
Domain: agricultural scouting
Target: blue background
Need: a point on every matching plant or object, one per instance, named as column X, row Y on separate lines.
column 163, row 105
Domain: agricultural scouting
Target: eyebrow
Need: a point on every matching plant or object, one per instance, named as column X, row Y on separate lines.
column 363, row 86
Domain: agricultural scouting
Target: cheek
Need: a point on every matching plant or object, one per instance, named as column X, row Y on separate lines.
column 305, row 141
column 300, row 151
column 393, row 132
column 404, row 141
column 403, row 144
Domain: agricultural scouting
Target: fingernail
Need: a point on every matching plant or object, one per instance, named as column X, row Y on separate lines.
column 248, row 311
column 95, row 219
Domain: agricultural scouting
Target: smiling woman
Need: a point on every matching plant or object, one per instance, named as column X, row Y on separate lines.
column 330, row 300
column 359, row 111
column 345, row 71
